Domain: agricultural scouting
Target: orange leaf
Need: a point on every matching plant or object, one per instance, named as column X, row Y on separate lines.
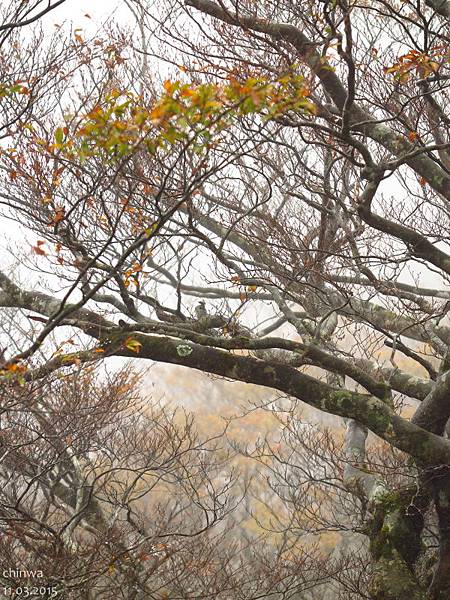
column 38, row 250
column 169, row 86
column 157, row 114
column 59, row 216
column 144, row 556
column 16, row 368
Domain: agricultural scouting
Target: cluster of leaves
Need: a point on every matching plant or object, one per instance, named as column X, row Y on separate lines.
column 14, row 372
column 10, row 90
column 420, row 63
column 192, row 114
column 131, row 275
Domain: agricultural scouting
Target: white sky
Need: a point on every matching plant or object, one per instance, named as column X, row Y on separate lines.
column 74, row 10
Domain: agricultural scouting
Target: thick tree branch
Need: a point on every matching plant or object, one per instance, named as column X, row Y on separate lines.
column 376, row 415
column 440, row 6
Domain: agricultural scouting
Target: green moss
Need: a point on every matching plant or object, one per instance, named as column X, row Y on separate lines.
column 384, row 392
column 445, row 364
column 340, row 401
column 392, row 580
column 344, row 402
column 394, row 545
column 269, row 370
column 390, row 500
column 394, row 530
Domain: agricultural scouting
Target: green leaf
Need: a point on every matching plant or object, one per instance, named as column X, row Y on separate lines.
column 151, row 229
column 59, row 135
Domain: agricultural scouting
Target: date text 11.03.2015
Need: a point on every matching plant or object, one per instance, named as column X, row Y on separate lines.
column 25, row 591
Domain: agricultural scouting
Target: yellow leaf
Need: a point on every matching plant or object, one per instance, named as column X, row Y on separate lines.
column 157, row 114
column 133, row 345
column 188, row 92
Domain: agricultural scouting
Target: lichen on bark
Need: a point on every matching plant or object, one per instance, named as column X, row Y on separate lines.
column 395, row 545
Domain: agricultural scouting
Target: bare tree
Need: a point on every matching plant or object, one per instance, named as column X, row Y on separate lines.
column 275, row 213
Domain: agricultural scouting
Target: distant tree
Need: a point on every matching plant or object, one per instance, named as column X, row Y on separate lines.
column 290, row 176
column 80, row 458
